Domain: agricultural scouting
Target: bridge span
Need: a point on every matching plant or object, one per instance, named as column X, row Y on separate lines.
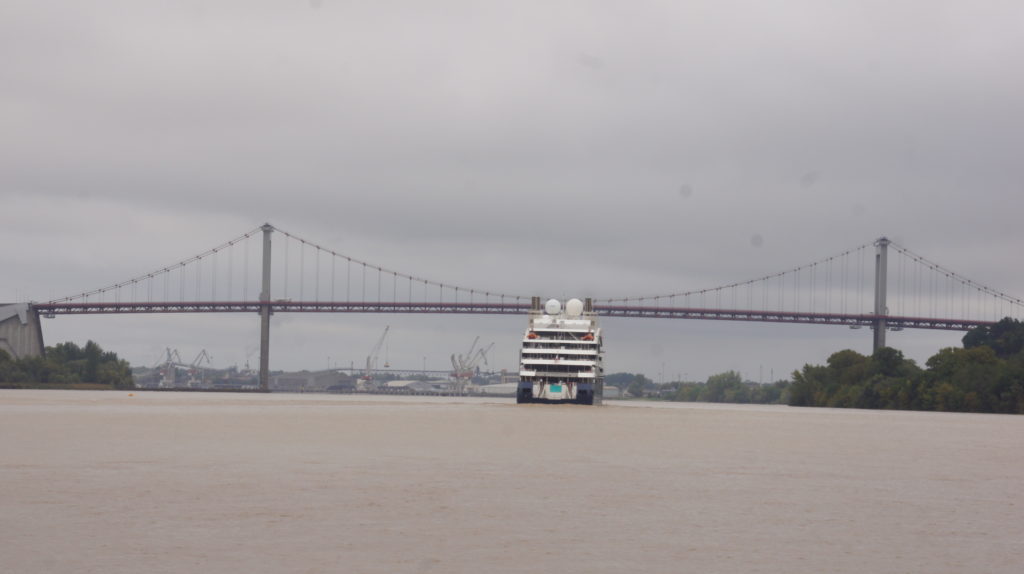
column 894, row 322
column 856, row 288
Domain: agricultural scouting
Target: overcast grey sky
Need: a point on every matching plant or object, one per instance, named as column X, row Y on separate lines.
column 486, row 143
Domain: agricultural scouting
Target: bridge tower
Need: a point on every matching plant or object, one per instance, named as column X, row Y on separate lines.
column 265, row 311
column 881, row 310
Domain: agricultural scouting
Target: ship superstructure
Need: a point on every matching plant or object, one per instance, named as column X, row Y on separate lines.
column 561, row 360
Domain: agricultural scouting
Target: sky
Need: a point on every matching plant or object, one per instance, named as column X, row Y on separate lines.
column 556, row 148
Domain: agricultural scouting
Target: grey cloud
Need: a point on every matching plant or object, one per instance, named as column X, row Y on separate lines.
column 665, row 146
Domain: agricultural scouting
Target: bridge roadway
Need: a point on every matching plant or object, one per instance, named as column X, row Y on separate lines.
column 517, row 308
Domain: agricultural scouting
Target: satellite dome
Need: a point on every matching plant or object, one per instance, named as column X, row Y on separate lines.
column 574, row 308
column 552, row 307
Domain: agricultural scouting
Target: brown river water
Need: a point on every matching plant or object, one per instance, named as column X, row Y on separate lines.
column 116, row 482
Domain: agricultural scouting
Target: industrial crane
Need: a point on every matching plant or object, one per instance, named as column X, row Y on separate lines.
column 199, row 358
column 465, row 365
column 169, row 371
column 197, row 368
column 371, row 359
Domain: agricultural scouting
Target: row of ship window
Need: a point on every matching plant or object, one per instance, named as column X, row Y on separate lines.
column 560, row 336
column 560, row 368
column 581, row 346
column 554, row 354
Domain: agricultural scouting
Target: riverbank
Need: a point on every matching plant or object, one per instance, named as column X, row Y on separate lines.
column 58, row 386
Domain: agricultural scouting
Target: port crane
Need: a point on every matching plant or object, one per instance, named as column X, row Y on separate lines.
column 200, row 357
column 197, row 368
column 371, row 359
column 465, row 365
column 169, row 370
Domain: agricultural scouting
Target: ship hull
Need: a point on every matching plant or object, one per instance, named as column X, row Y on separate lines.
column 525, row 394
column 580, row 400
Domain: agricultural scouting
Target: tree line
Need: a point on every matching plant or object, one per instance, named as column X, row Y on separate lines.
column 66, row 365
column 986, row 375
column 727, row 387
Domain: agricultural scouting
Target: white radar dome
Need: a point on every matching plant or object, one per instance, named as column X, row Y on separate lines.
column 574, row 307
column 552, row 307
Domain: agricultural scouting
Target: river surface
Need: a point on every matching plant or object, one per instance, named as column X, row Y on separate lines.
column 153, row 482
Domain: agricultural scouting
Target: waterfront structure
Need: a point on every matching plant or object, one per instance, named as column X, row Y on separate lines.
column 21, row 335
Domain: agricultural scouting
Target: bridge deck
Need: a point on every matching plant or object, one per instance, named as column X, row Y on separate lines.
column 650, row 312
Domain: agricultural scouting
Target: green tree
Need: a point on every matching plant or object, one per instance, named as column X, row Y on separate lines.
column 638, row 384
column 1005, row 338
column 66, row 364
column 975, row 378
column 724, row 387
column 808, row 386
column 90, row 371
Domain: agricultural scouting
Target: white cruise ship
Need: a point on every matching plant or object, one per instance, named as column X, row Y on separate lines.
column 561, row 360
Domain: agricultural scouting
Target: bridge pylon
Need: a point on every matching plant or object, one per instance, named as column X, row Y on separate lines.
column 265, row 311
column 881, row 310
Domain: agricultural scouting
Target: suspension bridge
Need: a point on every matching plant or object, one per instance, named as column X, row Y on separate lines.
column 859, row 287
